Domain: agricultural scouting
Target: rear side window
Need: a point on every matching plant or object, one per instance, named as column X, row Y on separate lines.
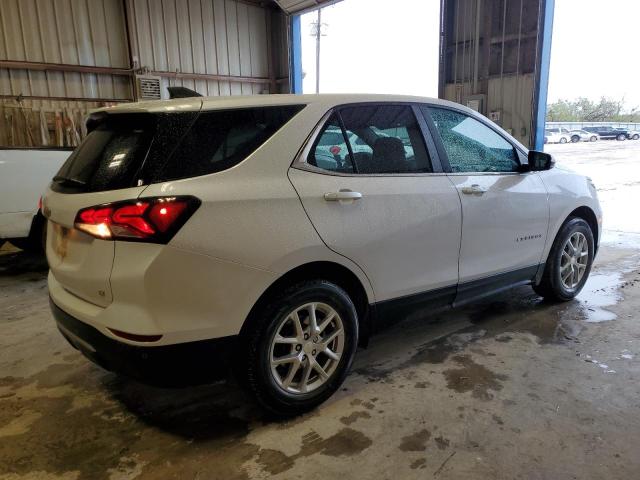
column 220, row 139
column 125, row 150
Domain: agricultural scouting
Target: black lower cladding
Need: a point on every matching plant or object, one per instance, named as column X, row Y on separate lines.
column 391, row 311
column 175, row 365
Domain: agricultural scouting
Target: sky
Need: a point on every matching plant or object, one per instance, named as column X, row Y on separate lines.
column 371, row 48
column 595, row 51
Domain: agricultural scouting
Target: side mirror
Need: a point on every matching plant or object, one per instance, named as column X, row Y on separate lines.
column 540, row 161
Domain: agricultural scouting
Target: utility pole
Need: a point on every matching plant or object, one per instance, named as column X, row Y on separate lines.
column 318, row 35
column 317, row 30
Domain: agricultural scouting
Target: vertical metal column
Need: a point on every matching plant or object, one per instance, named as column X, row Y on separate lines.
column 295, row 55
column 543, row 60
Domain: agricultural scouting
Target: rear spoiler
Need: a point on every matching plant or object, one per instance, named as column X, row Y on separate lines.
column 182, row 92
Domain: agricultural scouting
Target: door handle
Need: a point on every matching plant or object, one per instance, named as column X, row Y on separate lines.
column 342, row 195
column 474, row 189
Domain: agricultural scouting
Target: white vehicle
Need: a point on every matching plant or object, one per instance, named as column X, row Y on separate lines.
column 192, row 236
column 24, row 176
column 556, row 135
column 583, row 136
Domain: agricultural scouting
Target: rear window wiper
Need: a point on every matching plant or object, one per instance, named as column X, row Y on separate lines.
column 69, row 182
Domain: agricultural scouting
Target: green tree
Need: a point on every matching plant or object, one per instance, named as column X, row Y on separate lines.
column 585, row 110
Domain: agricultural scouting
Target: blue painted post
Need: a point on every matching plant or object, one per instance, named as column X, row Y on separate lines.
column 542, row 84
column 295, row 69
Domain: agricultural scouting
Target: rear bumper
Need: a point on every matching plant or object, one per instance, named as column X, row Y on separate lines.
column 167, row 365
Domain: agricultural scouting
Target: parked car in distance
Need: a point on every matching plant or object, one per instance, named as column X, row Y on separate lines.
column 633, row 134
column 24, row 176
column 248, row 249
column 556, row 135
column 609, row 133
column 583, row 136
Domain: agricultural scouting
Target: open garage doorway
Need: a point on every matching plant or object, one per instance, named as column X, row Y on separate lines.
column 593, row 109
column 372, row 46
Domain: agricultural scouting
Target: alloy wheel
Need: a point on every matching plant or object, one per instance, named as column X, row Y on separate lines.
column 574, row 260
column 306, row 348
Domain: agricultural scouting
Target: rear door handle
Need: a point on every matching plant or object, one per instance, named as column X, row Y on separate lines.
column 342, row 195
column 474, row 189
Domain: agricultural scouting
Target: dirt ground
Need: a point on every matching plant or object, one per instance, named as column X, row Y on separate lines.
column 510, row 387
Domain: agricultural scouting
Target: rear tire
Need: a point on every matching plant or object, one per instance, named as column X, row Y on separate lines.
column 563, row 140
column 283, row 330
column 621, row 137
column 569, row 262
column 575, row 139
column 593, row 139
column 636, row 136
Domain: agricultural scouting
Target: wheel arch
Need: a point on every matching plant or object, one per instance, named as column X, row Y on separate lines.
column 588, row 216
column 324, row 270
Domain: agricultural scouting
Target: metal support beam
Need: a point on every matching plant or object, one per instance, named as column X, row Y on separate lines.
column 295, row 47
column 543, row 62
column 63, row 67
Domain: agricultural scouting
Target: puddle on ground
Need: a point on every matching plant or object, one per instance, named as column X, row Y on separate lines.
column 601, row 290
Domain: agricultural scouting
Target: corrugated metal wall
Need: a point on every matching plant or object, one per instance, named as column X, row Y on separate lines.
column 489, row 54
column 215, row 37
column 81, row 54
column 509, row 95
column 73, row 32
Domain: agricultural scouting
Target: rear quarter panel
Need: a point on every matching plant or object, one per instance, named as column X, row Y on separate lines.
column 249, row 230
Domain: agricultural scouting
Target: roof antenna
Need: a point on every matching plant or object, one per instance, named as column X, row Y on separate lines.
column 182, row 92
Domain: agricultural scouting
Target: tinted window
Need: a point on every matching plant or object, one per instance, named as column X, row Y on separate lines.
column 472, row 146
column 220, row 139
column 124, row 150
column 109, row 156
column 330, row 151
column 385, row 139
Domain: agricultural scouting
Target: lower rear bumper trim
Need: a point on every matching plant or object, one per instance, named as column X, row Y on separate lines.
column 176, row 365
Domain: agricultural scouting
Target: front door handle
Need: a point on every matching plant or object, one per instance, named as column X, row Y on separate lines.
column 342, row 195
column 474, row 189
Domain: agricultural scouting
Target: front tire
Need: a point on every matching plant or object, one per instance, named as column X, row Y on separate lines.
column 563, row 140
column 300, row 347
column 575, row 139
column 569, row 262
column 594, row 138
column 621, row 137
column 636, row 136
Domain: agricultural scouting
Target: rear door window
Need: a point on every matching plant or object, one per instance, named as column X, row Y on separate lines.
column 330, row 151
column 385, row 139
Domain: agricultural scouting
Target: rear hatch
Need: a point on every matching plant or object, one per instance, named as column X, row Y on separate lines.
column 110, row 165
column 122, row 155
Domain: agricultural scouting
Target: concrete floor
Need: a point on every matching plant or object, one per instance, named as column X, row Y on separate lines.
column 511, row 387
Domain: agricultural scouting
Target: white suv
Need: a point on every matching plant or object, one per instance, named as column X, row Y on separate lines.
column 195, row 236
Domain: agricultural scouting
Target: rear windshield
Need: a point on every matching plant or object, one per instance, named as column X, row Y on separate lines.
column 126, row 150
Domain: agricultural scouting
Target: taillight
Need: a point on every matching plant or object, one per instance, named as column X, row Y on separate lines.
column 153, row 220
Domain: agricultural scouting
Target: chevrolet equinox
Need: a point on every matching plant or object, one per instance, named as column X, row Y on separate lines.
column 271, row 235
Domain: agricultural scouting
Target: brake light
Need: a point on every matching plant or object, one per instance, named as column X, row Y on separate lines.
column 153, row 220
